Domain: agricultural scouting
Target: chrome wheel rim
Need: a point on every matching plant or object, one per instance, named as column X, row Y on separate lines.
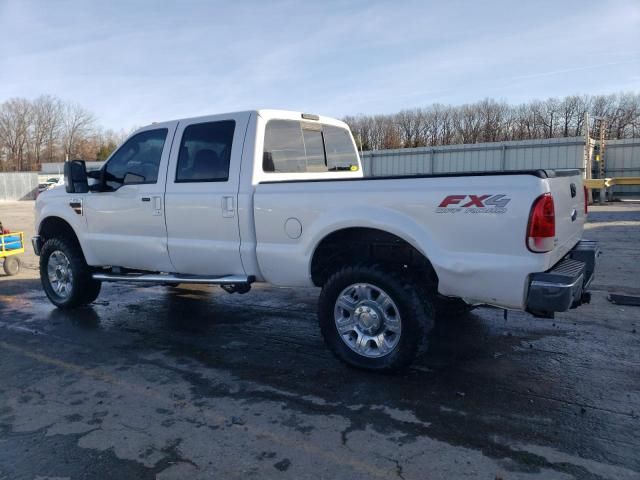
column 60, row 274
column 368, row 320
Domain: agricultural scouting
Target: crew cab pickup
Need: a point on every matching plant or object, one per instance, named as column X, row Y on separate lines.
column 280, row 197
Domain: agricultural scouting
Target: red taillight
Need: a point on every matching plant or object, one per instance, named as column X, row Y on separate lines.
column 586, row 200
column 541, row 232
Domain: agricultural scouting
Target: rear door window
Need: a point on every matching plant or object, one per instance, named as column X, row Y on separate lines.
column 205, row 152
column 296, row 147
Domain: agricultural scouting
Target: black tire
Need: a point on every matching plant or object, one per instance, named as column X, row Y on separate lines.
column 11, row 265
column 415, row 309
column 84, row 289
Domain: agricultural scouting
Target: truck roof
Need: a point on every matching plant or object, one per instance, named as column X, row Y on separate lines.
column 267, row 113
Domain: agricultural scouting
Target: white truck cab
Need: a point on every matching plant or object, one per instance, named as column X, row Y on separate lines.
column 279, row 197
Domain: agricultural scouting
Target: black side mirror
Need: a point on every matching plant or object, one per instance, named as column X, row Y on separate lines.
column 75, row 177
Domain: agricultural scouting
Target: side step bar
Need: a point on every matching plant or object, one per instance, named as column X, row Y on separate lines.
column 169, row 278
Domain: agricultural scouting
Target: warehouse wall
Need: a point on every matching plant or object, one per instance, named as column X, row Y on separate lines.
column 482, row 157
column 57, row 168
column 18, row 185
column 622, row 158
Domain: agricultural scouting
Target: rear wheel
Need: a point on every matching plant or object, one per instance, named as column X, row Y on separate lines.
column 11, row 266
column 65, row 276
column 373, row 319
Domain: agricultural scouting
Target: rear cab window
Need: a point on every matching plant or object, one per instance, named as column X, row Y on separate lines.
column 292, row 146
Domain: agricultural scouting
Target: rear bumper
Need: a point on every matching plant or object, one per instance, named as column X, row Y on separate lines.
column 565, row 285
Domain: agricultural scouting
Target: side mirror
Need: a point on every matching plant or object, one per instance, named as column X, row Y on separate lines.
column 75, row 177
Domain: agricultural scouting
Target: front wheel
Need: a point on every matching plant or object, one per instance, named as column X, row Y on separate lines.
column 65, row 276
column 374, row 319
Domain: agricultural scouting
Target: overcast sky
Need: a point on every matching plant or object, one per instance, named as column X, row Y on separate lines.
column 134, row 62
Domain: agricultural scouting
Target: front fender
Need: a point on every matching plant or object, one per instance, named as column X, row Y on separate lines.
column 59, row 206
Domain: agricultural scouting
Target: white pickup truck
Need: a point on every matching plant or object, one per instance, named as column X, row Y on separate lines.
column 279, row 197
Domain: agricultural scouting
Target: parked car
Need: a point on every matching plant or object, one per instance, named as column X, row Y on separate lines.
column 44, row 186
column 280, row 197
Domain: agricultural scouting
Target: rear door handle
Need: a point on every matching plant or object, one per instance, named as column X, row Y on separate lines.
column 157, row 205
column 228, row 206
column 145, row 199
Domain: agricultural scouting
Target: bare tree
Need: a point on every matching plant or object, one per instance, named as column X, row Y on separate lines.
column 547, row 114
column 48, row 129
column 77, row 122
column 492, row 121
column 625, row 115
column 410, row 125
column 468, row 124
column 492, row 116
column 15, row 119
column 567, row 110
column 47, row 122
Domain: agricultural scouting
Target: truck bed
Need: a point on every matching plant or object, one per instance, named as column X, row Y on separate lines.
column 478, row 253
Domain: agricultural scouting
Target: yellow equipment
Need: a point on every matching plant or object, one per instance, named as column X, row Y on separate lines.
column 11, row 244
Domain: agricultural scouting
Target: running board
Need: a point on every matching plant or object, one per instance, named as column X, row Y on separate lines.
column 168, row 278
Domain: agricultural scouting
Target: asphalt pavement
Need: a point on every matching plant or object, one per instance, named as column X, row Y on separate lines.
column 191, row 382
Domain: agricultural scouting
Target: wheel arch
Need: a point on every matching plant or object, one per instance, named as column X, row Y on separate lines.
column 358, row 244
column 54, row 226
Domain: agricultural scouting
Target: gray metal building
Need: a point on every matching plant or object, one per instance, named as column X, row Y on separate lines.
column 622, row 158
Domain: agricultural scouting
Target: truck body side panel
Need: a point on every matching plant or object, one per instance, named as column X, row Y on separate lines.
column 471, row 228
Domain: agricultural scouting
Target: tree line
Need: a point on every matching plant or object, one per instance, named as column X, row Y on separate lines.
column 49, row 129
column 493, row 121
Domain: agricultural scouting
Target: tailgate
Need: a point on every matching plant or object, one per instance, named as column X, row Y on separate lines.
column 566, row 186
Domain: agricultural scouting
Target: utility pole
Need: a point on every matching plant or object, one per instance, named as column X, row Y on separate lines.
column 600, row 127
column 588, row 165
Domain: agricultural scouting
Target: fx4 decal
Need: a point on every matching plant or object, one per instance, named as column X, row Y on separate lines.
column 473, row 204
